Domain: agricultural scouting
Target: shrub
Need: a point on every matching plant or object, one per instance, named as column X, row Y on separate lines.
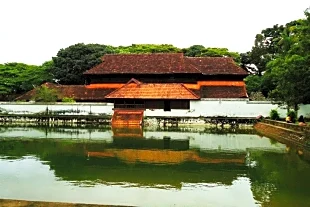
column 45, row 94
column 68, row 100
column 293, row 115
column 274, row 115
column 257, row 96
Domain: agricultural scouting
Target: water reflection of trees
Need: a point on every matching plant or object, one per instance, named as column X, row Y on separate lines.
column 83, row 129
column 277, row 179
column 63, row 129
column 202, row 129
column 280, row 179
column 70, row 162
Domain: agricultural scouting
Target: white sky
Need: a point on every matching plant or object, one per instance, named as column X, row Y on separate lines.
column 33, row 31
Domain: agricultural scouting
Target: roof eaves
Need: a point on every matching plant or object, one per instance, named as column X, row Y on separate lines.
column 133, row 80
column 195, row 95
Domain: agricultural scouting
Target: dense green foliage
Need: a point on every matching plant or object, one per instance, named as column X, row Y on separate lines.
column 274, row 115
column 45, row 94
column 290, row 70
column 147, row 48
column 280, row 62
column 265, row 49
column 17, row 78
column 68, row 100
column 201, row 51
column 71, row 62
column 253, row 83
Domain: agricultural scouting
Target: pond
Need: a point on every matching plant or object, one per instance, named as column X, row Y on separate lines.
column 151, row 167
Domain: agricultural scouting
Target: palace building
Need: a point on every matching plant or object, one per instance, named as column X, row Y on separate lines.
column 156, row 81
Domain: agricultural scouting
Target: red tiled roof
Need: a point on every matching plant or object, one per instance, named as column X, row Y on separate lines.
column 137, row 90
column 155, row 63
column 165, row 63
column 77, row 92
column 222, row 92
column 216, row 65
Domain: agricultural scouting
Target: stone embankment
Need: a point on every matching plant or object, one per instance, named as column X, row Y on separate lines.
column 285, row 132
column 23, row 203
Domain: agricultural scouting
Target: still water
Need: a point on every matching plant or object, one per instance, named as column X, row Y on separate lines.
column 153, row 167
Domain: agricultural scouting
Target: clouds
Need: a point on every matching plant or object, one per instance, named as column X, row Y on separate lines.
column 33, row 31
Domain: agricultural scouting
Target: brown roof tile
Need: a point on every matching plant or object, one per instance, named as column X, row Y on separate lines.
column 155, row 63
column 216, row 65
column 165, row 63
column 77, row 92
column 137, row 90
column 223, row 92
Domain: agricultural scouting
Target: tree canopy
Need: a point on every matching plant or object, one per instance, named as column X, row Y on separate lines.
column 290, row 70
column 280, row 63
column 71, row 62
column 17, row 78
column 147, row 48
column 201, row 51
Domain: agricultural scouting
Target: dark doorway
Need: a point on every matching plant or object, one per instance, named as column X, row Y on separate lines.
column 167, row 106
column 167, row 142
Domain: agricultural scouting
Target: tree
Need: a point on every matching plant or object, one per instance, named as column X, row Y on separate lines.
column 201, row 51
column 290, row 70
column 271, row 55
column 265, row 49
column 45, row 94
column 147, row 48
column 253, row 83
column 194, row 51
column 292, row 75
column 71, row 62
column 17, row 78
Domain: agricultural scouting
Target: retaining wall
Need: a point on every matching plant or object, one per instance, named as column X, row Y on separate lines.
column 284, row 132
column 202, row 108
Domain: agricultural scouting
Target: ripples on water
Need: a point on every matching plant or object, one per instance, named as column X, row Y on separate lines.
column 163, row 167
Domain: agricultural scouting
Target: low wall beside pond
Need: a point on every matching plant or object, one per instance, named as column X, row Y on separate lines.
column 202, row 108
column 285, row 132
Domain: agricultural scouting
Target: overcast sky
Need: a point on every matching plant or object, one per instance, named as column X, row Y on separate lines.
column 32, row 31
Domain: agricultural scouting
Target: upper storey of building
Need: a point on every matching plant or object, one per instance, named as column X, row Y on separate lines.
column 163, row 67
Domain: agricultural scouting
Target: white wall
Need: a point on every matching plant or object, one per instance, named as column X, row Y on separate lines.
column 229, row 108
column 26, row 132
column 71, row 108
column 204, row 108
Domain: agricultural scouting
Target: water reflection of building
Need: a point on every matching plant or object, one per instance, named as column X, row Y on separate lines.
column 130, row 146
column 138, row 161
column 114, row 164
column 143, row 158
column 133, row 131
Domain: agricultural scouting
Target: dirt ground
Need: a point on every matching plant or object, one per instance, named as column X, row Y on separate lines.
column 22, row 203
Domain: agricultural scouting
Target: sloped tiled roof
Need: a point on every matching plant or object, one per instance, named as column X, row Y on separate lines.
column 77, row 92
column 222, row 92
column 165, row 63
column 137, row 90
column 216, row 65
column 166, row 156
column 155, row 63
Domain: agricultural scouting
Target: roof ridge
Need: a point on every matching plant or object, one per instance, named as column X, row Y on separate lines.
column 155, row 53
column 190, row 63
column 132, row 80
column 190, row 91
column 227, row 57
